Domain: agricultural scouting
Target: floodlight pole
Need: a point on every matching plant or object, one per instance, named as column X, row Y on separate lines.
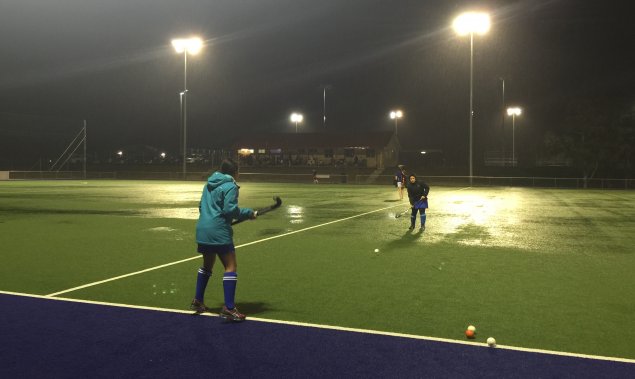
column 471, row 101
column 184, row 113
column 514, row 139
column 193, row 46
column 516, row 111
column 396, row 115
column 503, row 115
column 469, row 23
column 324, row 109
column 324, row 88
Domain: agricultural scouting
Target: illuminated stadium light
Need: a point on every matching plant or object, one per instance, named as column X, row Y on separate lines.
column 185, row 46
column 396, row 115
column 190, row 45
column 464, row 24
column 296, row 118
column 514, row 111
column 471, row 22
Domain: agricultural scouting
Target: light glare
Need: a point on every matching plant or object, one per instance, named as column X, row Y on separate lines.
column 471, row 22
column 191, row 45
column 296, row 117
column 396, row 114
column 514, row 111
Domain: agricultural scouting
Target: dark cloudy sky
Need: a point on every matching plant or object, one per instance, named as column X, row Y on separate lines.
column 110, row 62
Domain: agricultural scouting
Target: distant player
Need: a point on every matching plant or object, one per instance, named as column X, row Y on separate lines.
column 418, row 196
column 400, row 179
column 214, row 235
column 315, row 177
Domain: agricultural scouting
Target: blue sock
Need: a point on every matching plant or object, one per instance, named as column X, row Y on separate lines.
column 230, row 279
column 201, row 283
column 423, row 219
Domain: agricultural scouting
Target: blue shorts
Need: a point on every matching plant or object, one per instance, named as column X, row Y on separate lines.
column 215, row 249
column 420, row 204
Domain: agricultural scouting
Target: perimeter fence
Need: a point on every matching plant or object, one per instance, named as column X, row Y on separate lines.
column 510, row 181
column 326, row 178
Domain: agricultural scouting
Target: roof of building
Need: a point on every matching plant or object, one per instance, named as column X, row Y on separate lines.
column 314, row 140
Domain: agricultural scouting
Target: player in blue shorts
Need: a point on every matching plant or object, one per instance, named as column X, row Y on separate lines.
column 418, row 196
column 214, row 235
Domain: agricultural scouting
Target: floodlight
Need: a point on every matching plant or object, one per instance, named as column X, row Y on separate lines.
column 514, row 111
column 190, row 45
column 471, row 22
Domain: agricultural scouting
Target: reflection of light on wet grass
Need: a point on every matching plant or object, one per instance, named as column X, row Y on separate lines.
column 162, row 229
column 166, row 193
column 489, row 219
column 296, row 214
column 180, row 213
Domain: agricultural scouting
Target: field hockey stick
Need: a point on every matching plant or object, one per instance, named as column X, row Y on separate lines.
column 403, row 213
column 277, row 204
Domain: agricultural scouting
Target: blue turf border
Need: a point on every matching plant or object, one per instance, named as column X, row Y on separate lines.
column 61, row 339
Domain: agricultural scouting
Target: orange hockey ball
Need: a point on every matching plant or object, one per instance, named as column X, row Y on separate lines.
column 469, row 333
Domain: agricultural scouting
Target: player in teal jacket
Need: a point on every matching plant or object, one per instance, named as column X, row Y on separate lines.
column 214, row 236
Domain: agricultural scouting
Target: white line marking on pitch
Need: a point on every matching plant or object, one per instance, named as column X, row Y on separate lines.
column 330, row 327
column 198, row 256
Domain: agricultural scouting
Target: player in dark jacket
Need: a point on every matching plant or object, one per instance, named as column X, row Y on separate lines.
column 418, row 196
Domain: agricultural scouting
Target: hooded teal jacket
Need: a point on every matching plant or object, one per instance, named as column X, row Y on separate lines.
column 217, row 209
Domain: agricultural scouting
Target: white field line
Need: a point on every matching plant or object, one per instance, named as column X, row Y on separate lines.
column 198, row 256
column 338, row 328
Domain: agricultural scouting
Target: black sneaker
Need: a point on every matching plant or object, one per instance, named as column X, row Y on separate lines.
column 422, row 228
column 231, row 314
column 411, row 227
column 198, row 306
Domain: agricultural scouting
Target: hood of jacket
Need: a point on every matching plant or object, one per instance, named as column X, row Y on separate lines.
column 218, row 178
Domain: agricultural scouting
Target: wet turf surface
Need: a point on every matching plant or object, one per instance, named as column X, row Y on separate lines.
column 539, row 268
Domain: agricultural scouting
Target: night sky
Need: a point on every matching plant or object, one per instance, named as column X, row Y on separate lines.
column 110, row 62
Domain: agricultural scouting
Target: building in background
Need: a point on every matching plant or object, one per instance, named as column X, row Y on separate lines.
column 365, row 150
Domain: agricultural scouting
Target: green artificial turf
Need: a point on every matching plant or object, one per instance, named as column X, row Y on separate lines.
column 537, row 268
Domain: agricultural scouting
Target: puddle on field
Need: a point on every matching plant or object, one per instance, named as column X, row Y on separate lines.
column 180, row 213
column 296, row 214
column 474, row 220
column 162, row 229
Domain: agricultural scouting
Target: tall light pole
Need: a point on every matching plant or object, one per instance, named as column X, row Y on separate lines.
column 464, row 24
column 514, row 111
column 503, row 114
column 296, row 118
column 192, row 46
column 396, row 115
column 324, row 88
